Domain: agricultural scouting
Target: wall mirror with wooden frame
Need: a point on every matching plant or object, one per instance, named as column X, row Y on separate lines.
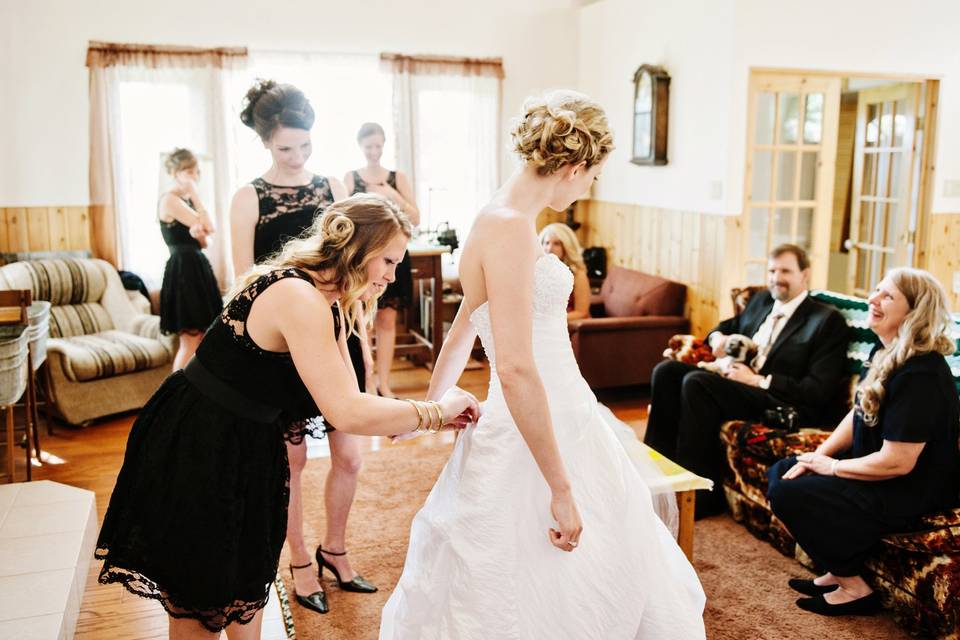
column 651, row 98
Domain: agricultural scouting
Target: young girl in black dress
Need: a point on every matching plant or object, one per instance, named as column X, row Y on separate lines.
column 198, row 515
column 190, row 297
column 283, row 204
column 374, row 178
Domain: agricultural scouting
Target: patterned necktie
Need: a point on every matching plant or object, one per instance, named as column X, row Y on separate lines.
column 764, row 349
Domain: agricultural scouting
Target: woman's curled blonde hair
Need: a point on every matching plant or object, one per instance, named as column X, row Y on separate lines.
column 562, row 128
column 338, row 247
column 572, row 253
column 927, row 327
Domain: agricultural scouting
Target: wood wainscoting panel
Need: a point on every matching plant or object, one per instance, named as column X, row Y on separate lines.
column 45, row 229
column 943, row 258
column 698, row 249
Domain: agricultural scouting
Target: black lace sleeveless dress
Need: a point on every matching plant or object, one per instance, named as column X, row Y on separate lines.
column 198, row 515
column 285, row 213
column 189, row 297
column 399, row 293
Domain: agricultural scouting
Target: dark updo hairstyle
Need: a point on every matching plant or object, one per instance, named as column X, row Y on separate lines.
column 179, row 160
column 269, row 104
column 368, row 129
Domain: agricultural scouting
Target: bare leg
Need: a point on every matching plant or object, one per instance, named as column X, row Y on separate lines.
column 852, row 588
column 249, row 631
column 345, row 462
column 305, row 580
column 189, row 629
column 188, row 346
column 386, row 324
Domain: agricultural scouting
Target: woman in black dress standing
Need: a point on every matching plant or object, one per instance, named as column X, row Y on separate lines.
column 394, row 185
column 189, row 297
column 282, row 204
column 892, row 459
column 198, row 516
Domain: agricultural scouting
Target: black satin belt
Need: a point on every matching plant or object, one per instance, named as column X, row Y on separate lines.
column 183, row 248
column 226, row 396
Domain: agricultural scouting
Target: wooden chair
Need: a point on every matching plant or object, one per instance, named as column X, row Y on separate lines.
column 14, row 305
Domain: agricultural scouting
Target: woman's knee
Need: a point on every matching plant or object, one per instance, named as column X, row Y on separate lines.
column 347, row 463
column 297, row 457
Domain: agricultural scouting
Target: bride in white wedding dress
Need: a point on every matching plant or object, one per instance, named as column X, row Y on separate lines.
column 540, row 525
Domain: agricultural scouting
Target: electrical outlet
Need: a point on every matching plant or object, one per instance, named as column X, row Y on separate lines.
column 951, row 188
column 716, row 189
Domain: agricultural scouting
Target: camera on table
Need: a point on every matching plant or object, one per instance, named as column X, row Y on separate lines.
column 785, row 418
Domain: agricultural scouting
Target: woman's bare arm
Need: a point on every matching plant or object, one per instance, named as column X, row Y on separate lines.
column 453, row 354
column 244, row 211
column 581, row 296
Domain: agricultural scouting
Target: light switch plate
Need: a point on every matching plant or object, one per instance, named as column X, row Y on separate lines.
column 951, row 188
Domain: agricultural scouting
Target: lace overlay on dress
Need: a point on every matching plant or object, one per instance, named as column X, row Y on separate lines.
column 276, row 201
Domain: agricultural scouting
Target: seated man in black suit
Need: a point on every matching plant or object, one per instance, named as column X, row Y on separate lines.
column 802, row 346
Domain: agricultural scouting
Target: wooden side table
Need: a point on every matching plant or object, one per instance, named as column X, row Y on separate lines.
column 424, row 320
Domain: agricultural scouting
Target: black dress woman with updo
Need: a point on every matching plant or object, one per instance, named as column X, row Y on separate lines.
column 189, row 297
column 265, row 214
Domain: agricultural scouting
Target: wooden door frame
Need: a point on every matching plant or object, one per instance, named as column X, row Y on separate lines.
column 929, row 108
column 820, row 229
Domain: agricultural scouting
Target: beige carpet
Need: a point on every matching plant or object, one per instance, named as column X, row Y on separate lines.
column 744, row 579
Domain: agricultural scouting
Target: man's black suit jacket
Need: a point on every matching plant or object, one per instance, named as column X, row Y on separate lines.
column 807, row 361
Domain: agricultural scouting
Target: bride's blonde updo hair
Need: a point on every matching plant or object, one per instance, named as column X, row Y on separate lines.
column 338, row 247
column 561, row 128
column 926, row 327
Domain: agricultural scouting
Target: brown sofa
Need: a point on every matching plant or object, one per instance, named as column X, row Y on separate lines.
column 634, row 317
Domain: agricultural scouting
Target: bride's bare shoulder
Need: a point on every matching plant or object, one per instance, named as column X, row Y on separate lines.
column 497, row 219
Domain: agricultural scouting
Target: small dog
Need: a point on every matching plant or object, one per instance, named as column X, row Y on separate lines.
column 739, row 348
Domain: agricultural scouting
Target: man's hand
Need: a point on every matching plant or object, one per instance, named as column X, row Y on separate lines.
column 739, row 372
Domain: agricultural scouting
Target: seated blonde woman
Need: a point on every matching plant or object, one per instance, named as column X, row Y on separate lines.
column 559, row 239
column 893, row 458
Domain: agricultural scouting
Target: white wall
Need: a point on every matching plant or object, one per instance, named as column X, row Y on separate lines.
column 693, row 40
column 44, row 81
column 709, row 48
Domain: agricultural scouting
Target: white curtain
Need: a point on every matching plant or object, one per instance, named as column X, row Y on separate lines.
column 447, row 129
column 146, row 100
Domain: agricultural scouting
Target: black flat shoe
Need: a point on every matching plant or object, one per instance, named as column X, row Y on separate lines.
column 865, row 606
column 358, row 585
column 315, row 601
column 810, row 588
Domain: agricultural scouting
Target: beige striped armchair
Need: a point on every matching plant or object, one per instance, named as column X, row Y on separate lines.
column 105, row 355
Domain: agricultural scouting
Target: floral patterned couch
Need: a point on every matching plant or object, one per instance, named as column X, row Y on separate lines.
column 917, row 573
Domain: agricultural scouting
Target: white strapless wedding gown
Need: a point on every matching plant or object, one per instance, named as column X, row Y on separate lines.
column 480, row 565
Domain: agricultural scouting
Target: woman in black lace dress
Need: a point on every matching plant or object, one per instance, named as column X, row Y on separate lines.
column 198, row 515
column 280, row 205
column 189, row 296
column 394, row 185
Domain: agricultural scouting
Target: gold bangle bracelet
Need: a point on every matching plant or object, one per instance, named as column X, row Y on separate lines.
column 419, row 411
column 436, row 406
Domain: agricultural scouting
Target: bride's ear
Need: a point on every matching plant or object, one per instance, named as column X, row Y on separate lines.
column 573, row 171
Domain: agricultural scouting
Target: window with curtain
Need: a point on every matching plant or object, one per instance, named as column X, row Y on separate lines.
column 447, row 122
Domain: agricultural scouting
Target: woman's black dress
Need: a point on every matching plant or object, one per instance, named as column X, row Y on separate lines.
column 189, row 297
column 839, row 521
column 399, row 293
column 199, row 512
column 288, row 212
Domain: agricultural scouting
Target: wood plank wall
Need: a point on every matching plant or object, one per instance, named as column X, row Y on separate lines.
column 703, row 251
column 943, row 255
column 700, row 250
column 44, row 229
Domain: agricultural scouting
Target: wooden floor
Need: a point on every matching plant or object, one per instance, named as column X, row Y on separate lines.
column 90, row 458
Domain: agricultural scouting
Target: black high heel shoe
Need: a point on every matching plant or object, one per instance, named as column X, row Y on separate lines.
column 316, row 601
column 358, row 585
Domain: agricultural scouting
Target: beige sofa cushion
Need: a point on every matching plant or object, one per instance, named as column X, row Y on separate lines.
column 79, row 319
column 107, row 353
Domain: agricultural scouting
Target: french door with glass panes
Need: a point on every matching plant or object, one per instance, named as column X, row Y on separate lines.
column 883, row 213
column 792, row 142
